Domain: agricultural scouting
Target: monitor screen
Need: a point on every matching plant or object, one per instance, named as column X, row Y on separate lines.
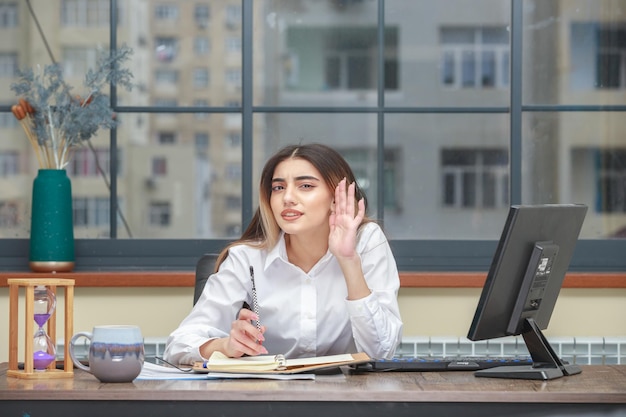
column 523, row 284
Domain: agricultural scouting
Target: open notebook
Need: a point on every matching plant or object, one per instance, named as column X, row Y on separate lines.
column 276, row 364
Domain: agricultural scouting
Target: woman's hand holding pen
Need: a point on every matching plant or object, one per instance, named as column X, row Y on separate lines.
column 245, row 338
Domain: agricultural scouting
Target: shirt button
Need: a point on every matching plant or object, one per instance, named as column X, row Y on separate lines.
column 307, row 281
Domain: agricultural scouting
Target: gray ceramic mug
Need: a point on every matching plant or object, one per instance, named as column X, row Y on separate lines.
column 116, row 353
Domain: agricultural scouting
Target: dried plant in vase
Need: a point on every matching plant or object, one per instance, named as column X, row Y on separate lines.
column 55, row 120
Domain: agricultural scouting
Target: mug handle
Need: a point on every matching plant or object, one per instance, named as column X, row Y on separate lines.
column 74, row 338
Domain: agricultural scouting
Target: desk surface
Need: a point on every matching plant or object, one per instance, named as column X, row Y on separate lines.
column 596, row 388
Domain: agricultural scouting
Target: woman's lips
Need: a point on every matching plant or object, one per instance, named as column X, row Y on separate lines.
column 290, row 214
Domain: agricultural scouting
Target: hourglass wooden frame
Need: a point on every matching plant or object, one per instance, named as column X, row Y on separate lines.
column 29, row 285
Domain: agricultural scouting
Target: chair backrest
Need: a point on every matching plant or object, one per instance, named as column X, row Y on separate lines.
column 204, row 268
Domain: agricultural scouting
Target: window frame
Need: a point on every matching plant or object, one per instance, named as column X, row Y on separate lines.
column 112, row 254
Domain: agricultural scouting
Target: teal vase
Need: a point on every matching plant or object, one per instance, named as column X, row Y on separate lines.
column 52, row 227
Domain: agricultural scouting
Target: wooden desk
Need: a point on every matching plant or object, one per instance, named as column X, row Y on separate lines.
column 599, row 390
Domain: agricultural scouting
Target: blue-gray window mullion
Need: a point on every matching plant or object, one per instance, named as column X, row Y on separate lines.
column 380, row 134
column 113, row 165
column 246, row 113
column 515, row 116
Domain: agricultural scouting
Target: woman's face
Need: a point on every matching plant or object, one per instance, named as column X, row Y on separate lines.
column 300, row 199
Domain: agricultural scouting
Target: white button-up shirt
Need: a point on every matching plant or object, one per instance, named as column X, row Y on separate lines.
column 305, row 314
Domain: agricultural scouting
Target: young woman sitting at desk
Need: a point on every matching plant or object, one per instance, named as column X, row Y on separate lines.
column 319, row 275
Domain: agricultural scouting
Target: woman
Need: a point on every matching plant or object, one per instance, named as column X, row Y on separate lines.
column 325, row 281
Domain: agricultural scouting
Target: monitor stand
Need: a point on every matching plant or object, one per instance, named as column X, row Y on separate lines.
column 546, row 363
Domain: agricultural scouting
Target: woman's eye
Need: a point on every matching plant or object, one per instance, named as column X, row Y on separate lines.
column 277, row 188
column 306, row 186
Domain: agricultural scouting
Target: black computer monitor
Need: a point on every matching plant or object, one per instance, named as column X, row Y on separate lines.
column 523, row 283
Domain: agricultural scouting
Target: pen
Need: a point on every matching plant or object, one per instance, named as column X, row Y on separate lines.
column 255, row 301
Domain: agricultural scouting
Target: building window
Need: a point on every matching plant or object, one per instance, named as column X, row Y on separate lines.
column 233, row 203
column 8, row 64
column 233, row 139
column 8, row 15
column 475, row 178
column 159, row 166
column 8, row 121
column 78, row 60
column 233, row 45
column 166, row 12
column 475, row 57
column 233, row 172
column 611, row 58
column 8, row 214
column 84, row 163
column 201, row 15
column 9, row 164
column 201, row 140
column 166, row 138
column 201, row 45
column 165, row 49
column 85, row 13
column 160, row 213
column 347, row 56
column 91, row 211
column 233, row 77
column 611, row 165
column 166, row 76
column 200, row 77
column 233, row 16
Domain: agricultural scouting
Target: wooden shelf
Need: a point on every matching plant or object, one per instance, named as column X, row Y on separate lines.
column 407, row 279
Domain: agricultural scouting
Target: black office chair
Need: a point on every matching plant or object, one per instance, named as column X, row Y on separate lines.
column 204, row 268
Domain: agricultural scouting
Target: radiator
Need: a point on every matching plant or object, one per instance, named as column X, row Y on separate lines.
column 578, row 350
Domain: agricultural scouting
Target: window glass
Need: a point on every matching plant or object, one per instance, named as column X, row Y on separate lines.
column 586, row 152
column 450, row 174
column 575, row 52
column 327, row 58
column 441, row 152
column 450, row 59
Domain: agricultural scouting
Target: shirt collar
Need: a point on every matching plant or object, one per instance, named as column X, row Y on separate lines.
column 279, row 251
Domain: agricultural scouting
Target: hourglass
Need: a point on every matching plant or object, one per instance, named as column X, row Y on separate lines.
column 44, row 350
column 40, row 307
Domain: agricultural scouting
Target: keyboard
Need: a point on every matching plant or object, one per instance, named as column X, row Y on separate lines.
column 425, row 364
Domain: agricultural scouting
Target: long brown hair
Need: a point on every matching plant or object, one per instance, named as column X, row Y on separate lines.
column 263, row 231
